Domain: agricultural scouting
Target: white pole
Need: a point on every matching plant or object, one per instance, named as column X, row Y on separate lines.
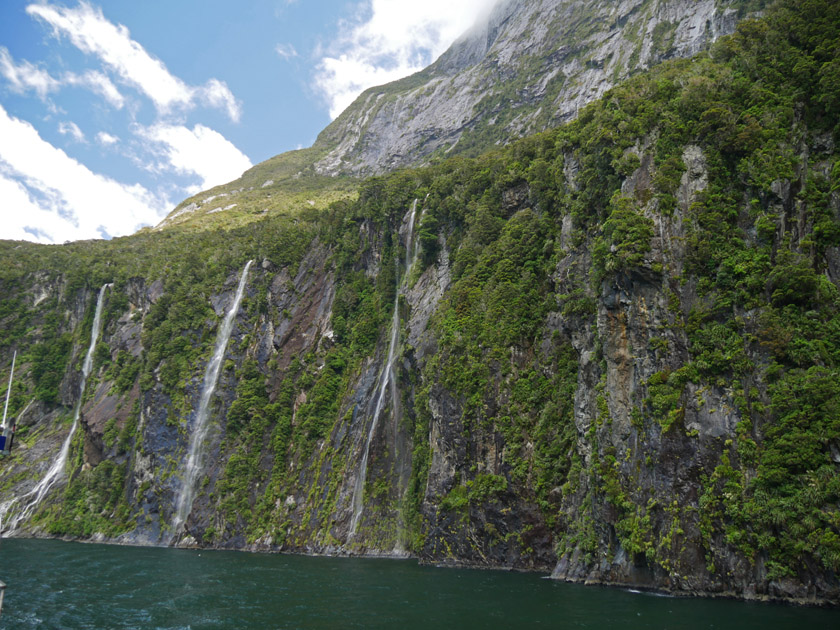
column 9, row 391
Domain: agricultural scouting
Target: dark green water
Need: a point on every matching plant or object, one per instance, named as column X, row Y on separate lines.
column 53, row 584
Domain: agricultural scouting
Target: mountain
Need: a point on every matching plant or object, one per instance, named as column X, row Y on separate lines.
column 530, row 66
column 609, row 350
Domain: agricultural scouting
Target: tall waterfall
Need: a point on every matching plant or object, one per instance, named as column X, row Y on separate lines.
column 196, row 455
column 54, row 473
column 387, row 381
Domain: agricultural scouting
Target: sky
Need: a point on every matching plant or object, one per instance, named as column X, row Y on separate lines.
column 113, row 112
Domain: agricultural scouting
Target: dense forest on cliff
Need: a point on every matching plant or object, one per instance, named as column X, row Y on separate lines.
column 619, row 347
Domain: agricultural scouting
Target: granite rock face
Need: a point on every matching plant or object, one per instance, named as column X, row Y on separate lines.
column 530, row 66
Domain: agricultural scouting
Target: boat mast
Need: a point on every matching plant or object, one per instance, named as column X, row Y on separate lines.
column 9, row 390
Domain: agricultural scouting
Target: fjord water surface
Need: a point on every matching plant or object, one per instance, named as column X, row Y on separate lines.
column 54, row 584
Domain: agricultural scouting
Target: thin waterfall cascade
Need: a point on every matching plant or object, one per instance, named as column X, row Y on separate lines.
column 5, row 508
column 196, row 454
column 387, row 380
column 57, row 469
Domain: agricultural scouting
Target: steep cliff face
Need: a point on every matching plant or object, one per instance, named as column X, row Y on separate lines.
column 610, row 351
column 531, row 66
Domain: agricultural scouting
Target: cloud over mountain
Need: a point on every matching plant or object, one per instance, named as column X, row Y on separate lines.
column 388, row 40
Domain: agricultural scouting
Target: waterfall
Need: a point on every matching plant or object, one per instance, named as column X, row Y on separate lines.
column 56, row 470
column 196, row 454
column 387, row 381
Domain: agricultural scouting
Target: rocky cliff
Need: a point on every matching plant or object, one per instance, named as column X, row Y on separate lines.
column 610, row 351
column 530, row 66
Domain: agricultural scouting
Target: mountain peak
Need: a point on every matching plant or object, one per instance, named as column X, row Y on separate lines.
column 527, row 66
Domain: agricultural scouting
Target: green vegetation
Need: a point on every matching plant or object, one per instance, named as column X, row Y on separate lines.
column 94, row 500
column 286, row 185
column 626, row 239
column 475, row 492
column 738, row 105
column 549, row 240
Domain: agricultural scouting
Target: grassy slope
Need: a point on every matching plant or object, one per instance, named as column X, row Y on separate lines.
column 283, row 185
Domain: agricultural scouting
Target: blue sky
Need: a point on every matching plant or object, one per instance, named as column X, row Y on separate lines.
column 112, row 112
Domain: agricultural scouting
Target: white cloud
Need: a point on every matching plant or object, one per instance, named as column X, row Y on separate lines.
column 89, row 30
column 26, row 76
column 50, row 197
column 69, row 128
column 198, row 151
column 23, row 218
column 216, row 94
column 99, row 83
column 286, row 51
column 106, row 139
column 394, row 39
